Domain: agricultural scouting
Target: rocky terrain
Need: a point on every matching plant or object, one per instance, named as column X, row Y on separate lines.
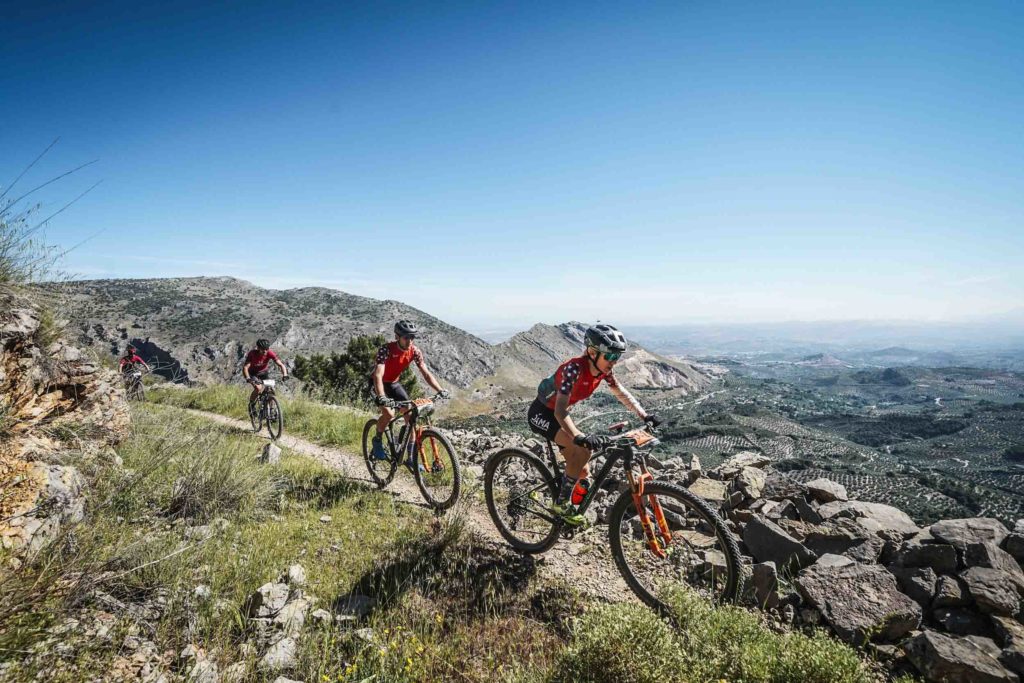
column 58, row 411
column 198, row 329
column 945, row 601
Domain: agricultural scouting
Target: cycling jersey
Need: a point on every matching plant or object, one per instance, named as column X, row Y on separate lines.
column 395, row 360
column 573, row 378
column 259, row 360
column 133, row 361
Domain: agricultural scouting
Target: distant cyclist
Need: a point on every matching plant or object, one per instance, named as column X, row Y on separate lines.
column 130, row 361
column 256, row 366
column 575, row 380
column 392, row 359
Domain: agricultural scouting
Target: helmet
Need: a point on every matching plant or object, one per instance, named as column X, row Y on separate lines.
column 405, row 328
column 605, row 339
column 129, row 349
column 262, row 344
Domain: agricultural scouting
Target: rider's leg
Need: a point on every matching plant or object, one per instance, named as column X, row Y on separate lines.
column 576, row 467
column 377, row 446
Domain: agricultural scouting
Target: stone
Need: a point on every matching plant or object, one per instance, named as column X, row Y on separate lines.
column 779, row 487
column 829, row 560
column 1014, row 544
column 322, row 617
column 950, row 592
column 267, row 601
column 1010, row 635
column 355, row 605
column 808, row 512
column 992, row 590
column 779, row 510
column 917, row 582
column 962, row 622
column 280, row 656
column 839, row 535
column 764, row 580
column 960, row 533
column 271, row 454
column 957, row 660
column 292, row 616
column 918, row 552
column 768, row 542
column 282, row 679
column 750, row 481
column 234, row 673
column 295, row 576
column 735, row 464
column 202, row 592
column 875, row 518
column 204, row 671
column 988, row 554
column 826, row 491
column 710, row 489
column 859, row 601
column 325, row 518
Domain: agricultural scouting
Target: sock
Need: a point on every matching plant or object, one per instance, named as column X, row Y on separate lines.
column 567, row 486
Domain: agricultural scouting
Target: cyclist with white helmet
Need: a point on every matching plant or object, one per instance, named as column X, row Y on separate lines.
column 392, row 360
column 256, row 365
column 575, row 380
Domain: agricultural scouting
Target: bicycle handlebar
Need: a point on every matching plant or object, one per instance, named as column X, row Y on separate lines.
column 404, row 404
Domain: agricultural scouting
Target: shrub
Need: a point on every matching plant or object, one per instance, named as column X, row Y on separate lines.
column 343, row 377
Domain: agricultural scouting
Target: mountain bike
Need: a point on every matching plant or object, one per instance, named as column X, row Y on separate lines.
column 133, row 388
column 661, row 535
column 267, row 410
column 431, row 455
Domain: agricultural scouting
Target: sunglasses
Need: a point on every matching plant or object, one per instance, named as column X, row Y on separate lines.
column 612, row 357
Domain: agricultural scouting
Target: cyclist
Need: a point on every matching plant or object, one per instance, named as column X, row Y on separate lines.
column 255, row 367
column 392, row 359
column 573, row 381
column 129, row 361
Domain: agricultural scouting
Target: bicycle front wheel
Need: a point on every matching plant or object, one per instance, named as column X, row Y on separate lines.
column 520, row 492
column 275, row 418
column 255, row 415
column 673, row 539
column 438, row 474
column 381, row 471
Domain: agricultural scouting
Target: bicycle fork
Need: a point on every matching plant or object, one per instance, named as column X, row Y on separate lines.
column 436, row 465
column 636, row 484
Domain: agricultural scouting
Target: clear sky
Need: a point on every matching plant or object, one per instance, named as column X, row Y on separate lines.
column 501, row 164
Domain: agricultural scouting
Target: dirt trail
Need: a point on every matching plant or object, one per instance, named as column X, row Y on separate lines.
column 585, row 561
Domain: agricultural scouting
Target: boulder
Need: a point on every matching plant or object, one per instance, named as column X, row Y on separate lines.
column 710, row 490
column 267, row 601
column 764, row 580
column 779, row 487
column 750, row 481
column 826, row 491
column 859, row 601
column 834, row 561
column 875, row 518
column 280, row 656
column 962, row 622
column 735, row 464
column 957, row 660
column 960, row 533
column 844, row 536
column 1014, row 545
column 992, row 590
column 768, row 542
column 295, row 576
column 950, row 592
column 988, row 554
column 1010, row 634
column 292, row 617
column 808, row 512
column 917, row 582
column 921, row 552
column 778, row 510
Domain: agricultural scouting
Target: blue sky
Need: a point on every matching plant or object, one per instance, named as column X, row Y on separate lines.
column 500, row 164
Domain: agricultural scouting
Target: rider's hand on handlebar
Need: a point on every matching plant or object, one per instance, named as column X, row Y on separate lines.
column 443, row 394
column 652, row 420
column 384, row 402
column 592, row 441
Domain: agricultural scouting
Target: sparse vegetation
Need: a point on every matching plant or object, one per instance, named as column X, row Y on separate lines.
column 343, row 377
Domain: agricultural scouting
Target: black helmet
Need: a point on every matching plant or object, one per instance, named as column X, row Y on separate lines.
column 605, row 339
column 405, row 328
column 262, row 344
column 129, row 349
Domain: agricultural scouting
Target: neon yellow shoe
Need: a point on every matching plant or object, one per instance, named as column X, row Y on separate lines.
column 569, row 514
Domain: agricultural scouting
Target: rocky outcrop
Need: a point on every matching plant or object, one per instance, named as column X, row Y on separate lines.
column 57, row 406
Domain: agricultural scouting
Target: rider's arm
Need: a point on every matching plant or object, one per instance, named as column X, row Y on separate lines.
column 284, row 370
column 245, row 371
column 378, row 379
column 627, row 399
column 427, row 374
column 562, row 415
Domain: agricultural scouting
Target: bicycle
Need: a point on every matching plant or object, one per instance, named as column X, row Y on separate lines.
column 267, row 409
column 437, row 471
column 133, row 387
column 661, row 534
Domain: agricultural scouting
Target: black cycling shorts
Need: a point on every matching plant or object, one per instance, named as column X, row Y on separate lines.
column 393, row 390
column 260, row 375
column 542, row 420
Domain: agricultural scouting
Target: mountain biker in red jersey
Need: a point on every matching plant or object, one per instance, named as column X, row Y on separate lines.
column 256, row 364
column 392, row 359
column 575, row 380
column 129, row 360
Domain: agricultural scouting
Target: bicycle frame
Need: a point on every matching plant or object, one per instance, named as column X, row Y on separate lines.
column 411, row 409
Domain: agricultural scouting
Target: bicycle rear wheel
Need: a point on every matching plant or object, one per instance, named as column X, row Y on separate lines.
column 381, row 471
column 256, row 415
column 520, row 491
column 275, row 418
column 441, row 477
column 677, row 540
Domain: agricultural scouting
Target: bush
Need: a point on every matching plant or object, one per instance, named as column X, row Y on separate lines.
column 343, row 377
